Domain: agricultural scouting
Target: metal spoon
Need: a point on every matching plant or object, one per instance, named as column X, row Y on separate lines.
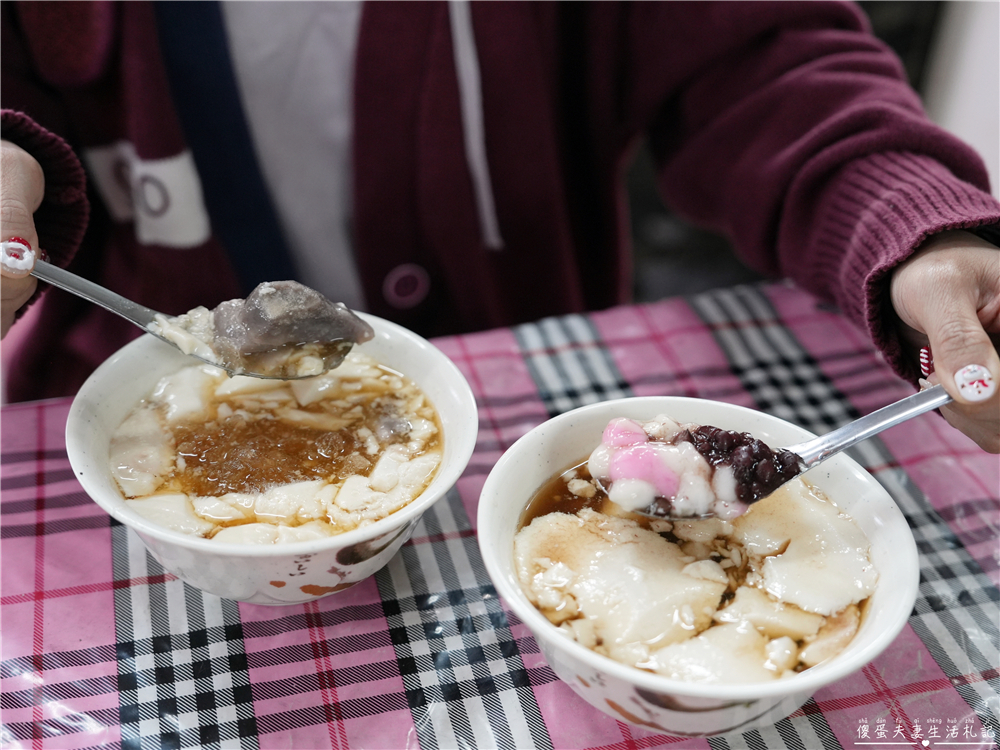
column 816, row 450
column 142, row 316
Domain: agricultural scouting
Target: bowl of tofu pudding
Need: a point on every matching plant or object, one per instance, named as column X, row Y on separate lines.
column 272, row 491
column 692, row 626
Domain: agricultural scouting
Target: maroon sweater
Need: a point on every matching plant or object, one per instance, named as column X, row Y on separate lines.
column 785, row 125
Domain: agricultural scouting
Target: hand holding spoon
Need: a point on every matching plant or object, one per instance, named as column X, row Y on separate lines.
column 283, row 330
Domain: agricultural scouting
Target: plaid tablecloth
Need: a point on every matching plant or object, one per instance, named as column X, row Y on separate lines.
column 102, row 648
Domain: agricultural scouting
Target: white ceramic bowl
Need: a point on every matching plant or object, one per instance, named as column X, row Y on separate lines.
column 654, row 701
column 273, row 574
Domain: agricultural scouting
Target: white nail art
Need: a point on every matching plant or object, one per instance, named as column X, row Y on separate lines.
column 975, row 382
column 16, row 257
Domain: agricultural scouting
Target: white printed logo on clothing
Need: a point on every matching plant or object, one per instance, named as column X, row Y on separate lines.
column 162, row 196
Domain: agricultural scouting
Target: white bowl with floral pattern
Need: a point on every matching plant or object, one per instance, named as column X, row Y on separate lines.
column 276, row 574
column 655, row 701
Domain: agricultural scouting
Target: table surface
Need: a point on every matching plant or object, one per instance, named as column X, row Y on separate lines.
column 102, row 647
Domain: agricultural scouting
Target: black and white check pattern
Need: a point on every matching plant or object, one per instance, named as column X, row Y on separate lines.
column 465, row 681
column 569, row 364
column 182, row 669
column 803, row 732
column 776, row 370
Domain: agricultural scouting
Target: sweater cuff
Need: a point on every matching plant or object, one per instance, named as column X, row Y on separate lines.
column 61, row 219
column 885, row 206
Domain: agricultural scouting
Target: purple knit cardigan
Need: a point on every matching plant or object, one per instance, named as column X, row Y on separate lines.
column 784, row 125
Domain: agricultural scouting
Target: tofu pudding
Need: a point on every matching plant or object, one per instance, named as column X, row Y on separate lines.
column 257, row 461
column 757, row 597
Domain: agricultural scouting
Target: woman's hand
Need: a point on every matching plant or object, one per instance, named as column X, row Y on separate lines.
column 22, row 186
column 947, row 296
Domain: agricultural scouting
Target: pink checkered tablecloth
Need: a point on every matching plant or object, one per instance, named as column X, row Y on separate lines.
column 102, row 648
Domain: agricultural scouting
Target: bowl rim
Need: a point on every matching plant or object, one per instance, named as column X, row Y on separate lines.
column 443, row 481
column 807, row 681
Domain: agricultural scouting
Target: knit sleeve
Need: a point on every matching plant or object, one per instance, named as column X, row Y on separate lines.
column 61, row 219
column 873, row 214
column 791, row 129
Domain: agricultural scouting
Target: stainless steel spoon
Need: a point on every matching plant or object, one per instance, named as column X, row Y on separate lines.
column 816, row 450
column 135, row 313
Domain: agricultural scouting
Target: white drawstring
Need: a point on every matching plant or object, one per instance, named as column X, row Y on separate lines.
column 473, row 127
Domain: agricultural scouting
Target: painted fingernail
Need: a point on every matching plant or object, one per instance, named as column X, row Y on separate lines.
column 16, row 255
column 924, row 384
column 926, row 361
column 975, row 382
